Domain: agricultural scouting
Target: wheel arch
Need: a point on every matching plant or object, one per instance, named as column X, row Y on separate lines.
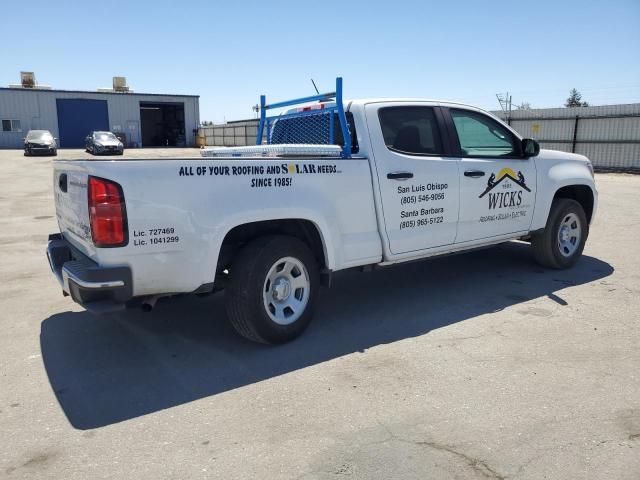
column 583, row 194
column 304, row 229
column 580, row 189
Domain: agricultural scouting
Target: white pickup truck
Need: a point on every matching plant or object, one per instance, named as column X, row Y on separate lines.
column 330, row 185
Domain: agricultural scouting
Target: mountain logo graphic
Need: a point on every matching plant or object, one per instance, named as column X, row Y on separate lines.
column 495, row 180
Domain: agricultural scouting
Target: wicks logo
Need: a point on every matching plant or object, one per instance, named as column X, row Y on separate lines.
column 507, row 178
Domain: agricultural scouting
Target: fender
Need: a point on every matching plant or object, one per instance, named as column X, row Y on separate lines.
column 555, row 177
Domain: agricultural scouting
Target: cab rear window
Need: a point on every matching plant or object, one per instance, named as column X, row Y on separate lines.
column 312, row 129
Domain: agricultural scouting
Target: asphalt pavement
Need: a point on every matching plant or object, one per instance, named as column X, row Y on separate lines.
column 476, row 366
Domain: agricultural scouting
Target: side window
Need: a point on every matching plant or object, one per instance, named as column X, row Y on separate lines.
column 481, row 136
column 411, row 130
column 11, row 126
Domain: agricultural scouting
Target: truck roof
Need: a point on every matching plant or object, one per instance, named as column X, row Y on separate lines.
column 433, row 101
column 365, row 101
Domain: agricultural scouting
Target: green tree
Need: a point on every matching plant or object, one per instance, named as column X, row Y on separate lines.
column 575, row 99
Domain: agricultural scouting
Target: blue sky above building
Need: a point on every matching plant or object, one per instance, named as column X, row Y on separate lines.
column 230, row 52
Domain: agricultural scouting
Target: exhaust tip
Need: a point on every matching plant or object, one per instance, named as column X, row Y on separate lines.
column 149, row 302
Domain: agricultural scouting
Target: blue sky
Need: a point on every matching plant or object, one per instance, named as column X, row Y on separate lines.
column 230, row 52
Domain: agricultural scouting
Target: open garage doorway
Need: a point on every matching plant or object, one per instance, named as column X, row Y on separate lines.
column 162, row 124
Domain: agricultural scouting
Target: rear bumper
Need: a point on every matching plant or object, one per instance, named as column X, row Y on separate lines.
column 98, row 289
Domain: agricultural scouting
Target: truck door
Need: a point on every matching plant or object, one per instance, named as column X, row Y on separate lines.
column 418, row 183
column 497, row 184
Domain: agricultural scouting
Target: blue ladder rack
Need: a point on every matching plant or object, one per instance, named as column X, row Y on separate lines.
column 330, row 110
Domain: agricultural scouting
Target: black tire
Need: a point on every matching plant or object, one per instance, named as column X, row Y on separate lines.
column 27, row 154
column 546, row 248
column 247, row 276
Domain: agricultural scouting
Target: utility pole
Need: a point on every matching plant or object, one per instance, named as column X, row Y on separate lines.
column 505, row 104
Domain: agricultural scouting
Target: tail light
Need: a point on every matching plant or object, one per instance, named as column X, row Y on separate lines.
column 107, row 213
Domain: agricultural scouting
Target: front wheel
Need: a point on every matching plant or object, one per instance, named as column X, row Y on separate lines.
column 561, row 243
column 272, row 289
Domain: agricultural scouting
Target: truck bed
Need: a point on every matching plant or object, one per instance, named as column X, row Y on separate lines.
column 178, row 206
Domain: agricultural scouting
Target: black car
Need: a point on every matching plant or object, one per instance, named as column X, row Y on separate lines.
column 40, row 142
column 103, row 143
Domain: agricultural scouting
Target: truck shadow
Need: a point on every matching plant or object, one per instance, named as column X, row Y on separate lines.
column 104, row 370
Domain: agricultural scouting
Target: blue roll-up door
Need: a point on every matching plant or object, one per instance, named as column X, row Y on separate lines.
column 77, row 117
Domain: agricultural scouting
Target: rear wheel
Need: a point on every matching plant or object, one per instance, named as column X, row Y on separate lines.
column 561, row 243
column 272, row 289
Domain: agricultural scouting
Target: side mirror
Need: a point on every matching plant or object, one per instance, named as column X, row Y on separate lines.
column 530, row 148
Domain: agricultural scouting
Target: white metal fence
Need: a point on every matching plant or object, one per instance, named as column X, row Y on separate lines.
column 232, row 134
column 609, row 135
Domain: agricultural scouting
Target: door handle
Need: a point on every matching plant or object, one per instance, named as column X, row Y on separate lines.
column 62, row 182
column 474, row 173
column 399, row 175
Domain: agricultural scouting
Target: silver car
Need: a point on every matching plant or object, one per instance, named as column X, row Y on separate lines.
column 103, row 143
column 40, row 142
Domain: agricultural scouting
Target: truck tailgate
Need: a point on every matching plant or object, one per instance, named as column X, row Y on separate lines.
column 72, row 211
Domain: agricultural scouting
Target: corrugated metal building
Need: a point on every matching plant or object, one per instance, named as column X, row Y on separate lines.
column 609, row 134
column 146, row 119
